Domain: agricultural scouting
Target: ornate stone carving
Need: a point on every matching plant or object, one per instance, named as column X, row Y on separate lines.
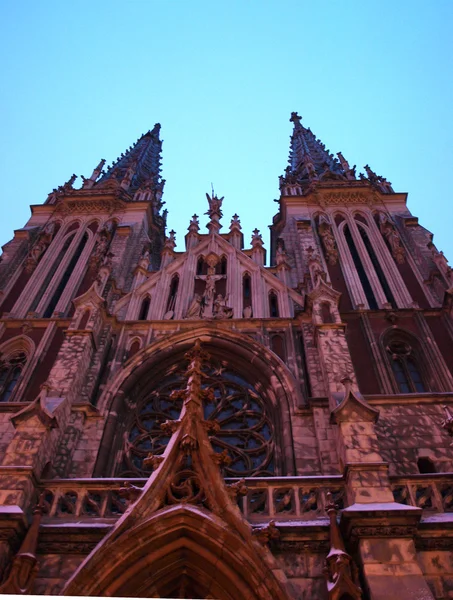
column 236, row 410
column 394, row 241
column 340, row 570
column 267, row 533
column 328, row 240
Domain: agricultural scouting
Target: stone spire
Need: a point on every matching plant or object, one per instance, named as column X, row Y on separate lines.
column 309, row 161
column 139, row 166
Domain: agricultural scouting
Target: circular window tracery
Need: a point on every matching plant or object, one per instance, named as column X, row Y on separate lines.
column 246, row 431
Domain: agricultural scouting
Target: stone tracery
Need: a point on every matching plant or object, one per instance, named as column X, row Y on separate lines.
column 246, row 430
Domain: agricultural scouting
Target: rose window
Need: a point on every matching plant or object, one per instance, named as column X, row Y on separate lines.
column 246, row 431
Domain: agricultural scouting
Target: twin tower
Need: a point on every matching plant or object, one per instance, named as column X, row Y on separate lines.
column 198, row 424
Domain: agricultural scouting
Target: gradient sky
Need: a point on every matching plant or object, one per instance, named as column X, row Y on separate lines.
column 82, row 80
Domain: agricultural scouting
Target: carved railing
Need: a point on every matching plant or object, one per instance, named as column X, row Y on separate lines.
column 279, row 498
column 431, row 492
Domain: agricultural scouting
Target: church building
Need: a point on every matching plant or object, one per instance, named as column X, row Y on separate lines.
column 196, row 424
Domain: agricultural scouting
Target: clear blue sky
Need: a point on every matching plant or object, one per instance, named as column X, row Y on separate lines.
column 81, row 80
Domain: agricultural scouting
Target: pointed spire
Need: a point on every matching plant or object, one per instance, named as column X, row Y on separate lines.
column 309, row 161
column 139, row 166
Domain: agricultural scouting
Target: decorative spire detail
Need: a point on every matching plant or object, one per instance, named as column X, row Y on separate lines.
column 138, row 167
column 257, row 239
column 194, row 225
column 309, row 161
column 214, row 212
column 235, row 223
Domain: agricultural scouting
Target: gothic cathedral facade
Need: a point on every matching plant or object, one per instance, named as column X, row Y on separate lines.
column 196, row 424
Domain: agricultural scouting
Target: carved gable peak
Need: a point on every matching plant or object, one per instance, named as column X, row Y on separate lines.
column 351, row 406
column 90, row 298
column 39, row 412
column 323, row 291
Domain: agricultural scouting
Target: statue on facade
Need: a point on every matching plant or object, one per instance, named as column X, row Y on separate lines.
column 39, row 247
column 100, row 250
column 328, row 240
column 215, row 206
column 392, row 237
column 317, row 272
column 195, row 308
column 221, row 310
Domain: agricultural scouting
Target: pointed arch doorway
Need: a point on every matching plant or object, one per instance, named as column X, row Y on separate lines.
column 182, row 551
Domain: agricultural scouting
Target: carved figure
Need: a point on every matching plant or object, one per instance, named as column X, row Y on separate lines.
column 393, row 239
column 209, row 290
column 317, row 273
column 221, row 310
column 194, row 310
column 328, row 241
column 215, row 205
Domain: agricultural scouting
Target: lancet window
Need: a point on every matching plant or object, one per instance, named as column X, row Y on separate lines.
column 406, row 370
column 368, row 290
column 171, row 302
column 377, row 266
column 51, row 272
column 144, row 309
column 246, row 290
column 246, row 429
column 273, row 305
column 65, row 278
column 11, row 369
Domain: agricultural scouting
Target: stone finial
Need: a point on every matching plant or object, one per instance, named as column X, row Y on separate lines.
column 194, row 226
column 257, row 239
column 170, row 241
column 235, row 223
column 340, row 570
column 295, row 118
column 88, row 183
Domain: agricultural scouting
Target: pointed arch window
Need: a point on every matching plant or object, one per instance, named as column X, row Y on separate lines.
column 406, row 371
column 247, row 290
column 377, row 266
column 173, row 294
column 51, row 272
column 10, row 371
column 144, row 309
column 368, row 290
column 201, row 270
column 65, row 278
column 223, row 265
column 273, row 305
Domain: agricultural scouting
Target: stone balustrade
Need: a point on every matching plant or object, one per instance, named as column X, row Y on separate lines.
column 280, row 498
column 431, row 492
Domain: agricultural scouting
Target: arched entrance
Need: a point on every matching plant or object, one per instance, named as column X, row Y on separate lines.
column 180, row 552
